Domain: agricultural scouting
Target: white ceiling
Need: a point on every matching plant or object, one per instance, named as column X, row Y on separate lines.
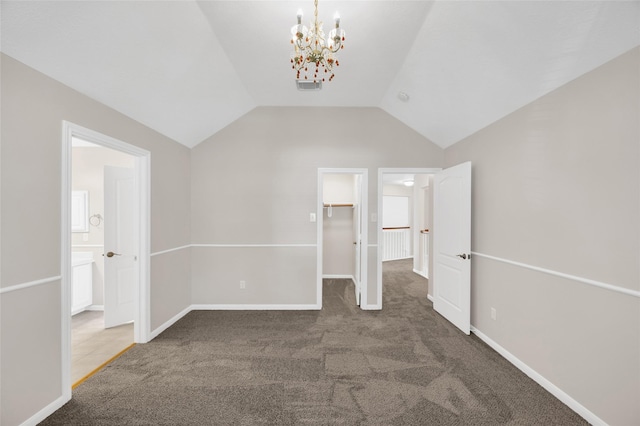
column 397, row 178
column 187, row 69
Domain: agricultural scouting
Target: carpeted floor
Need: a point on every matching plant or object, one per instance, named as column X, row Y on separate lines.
column 404, row 365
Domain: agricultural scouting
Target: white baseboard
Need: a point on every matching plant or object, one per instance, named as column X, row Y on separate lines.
column 420, row 273
column 399, row 258
column 340, row 277
column 240, row 307
column 155, row 333
column 46, row 411
column 365, row 307
column 541, row 380
column 95, row 308
column 430, row 297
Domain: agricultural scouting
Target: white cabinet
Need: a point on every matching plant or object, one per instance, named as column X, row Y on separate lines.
column 81, row 282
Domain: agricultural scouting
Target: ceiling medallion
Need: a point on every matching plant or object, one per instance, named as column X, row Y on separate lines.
column 313, row 55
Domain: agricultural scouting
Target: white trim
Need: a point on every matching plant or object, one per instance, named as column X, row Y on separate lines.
column 430, row 297
column 420, row 273
column 94, row 308
column 29, row 284
column 87, row 245
column 65, row 261
column 381, row 172
column 155, row 333
column 170, row 250
column 229, row 246
column 240, row 307
column 373, row 245
column 45, row 412
column 594, row 283
column 253, row 245
column 339, row 277
column 364, row 238
column 366, row 307
column 541, row 380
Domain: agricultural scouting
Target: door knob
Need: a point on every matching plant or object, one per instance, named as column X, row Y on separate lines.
column 111, row 254
column 463, row 256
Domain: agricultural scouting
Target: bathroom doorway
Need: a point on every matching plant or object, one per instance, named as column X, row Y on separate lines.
column 89, row 216
column 99, row 329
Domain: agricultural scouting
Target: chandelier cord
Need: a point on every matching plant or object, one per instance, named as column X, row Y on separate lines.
column 315, row 13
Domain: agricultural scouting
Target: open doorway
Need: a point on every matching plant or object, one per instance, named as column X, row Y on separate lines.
column 101, row 289
column 342, row 234
column 404, row 228
column 105, row 249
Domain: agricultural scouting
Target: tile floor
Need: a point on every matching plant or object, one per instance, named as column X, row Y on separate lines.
column 92, row 344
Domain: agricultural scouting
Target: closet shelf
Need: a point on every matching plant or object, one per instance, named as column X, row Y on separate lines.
column 338, row 205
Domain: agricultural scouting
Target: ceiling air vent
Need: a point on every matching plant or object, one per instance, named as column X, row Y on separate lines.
column 308, row 85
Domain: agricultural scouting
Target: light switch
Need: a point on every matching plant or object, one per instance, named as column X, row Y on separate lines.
column 312, row 217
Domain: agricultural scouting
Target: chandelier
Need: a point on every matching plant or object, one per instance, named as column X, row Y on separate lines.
column 313, row 54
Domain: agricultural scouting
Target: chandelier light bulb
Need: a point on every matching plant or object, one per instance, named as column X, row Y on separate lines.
column 299, row 16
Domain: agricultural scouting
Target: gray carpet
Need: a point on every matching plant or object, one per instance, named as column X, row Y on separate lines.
column 404, row 365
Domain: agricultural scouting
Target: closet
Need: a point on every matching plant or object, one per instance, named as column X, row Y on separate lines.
column 341, row 226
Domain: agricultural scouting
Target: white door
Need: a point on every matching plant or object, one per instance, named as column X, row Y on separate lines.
column 120, row 256
column 357, row 235
column 452, row 245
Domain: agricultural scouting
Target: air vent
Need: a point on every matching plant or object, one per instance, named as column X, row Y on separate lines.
column 308, row 85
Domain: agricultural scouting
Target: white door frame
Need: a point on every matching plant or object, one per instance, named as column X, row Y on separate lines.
column 365, row 231
column 142, row 167
column 381, row 173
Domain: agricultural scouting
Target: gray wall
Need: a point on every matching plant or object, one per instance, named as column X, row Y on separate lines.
column 556, row 185
column 255, row 182
column 33, row 108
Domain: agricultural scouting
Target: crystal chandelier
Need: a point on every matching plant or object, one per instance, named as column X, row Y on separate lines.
column 313, row 55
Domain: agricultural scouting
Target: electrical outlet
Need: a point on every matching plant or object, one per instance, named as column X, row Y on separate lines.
column 243, row 284
column 494, row 314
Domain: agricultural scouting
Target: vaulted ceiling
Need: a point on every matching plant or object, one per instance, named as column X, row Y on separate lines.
column 189, row 68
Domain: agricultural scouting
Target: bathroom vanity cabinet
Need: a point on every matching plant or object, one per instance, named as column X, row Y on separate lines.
column 81, row 281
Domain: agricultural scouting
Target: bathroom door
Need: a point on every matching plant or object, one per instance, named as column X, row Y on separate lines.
column 120, row 245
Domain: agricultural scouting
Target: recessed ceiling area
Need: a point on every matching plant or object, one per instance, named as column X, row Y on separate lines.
column 189, row 68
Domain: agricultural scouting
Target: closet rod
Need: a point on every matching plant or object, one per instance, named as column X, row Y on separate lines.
column 338, row 205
